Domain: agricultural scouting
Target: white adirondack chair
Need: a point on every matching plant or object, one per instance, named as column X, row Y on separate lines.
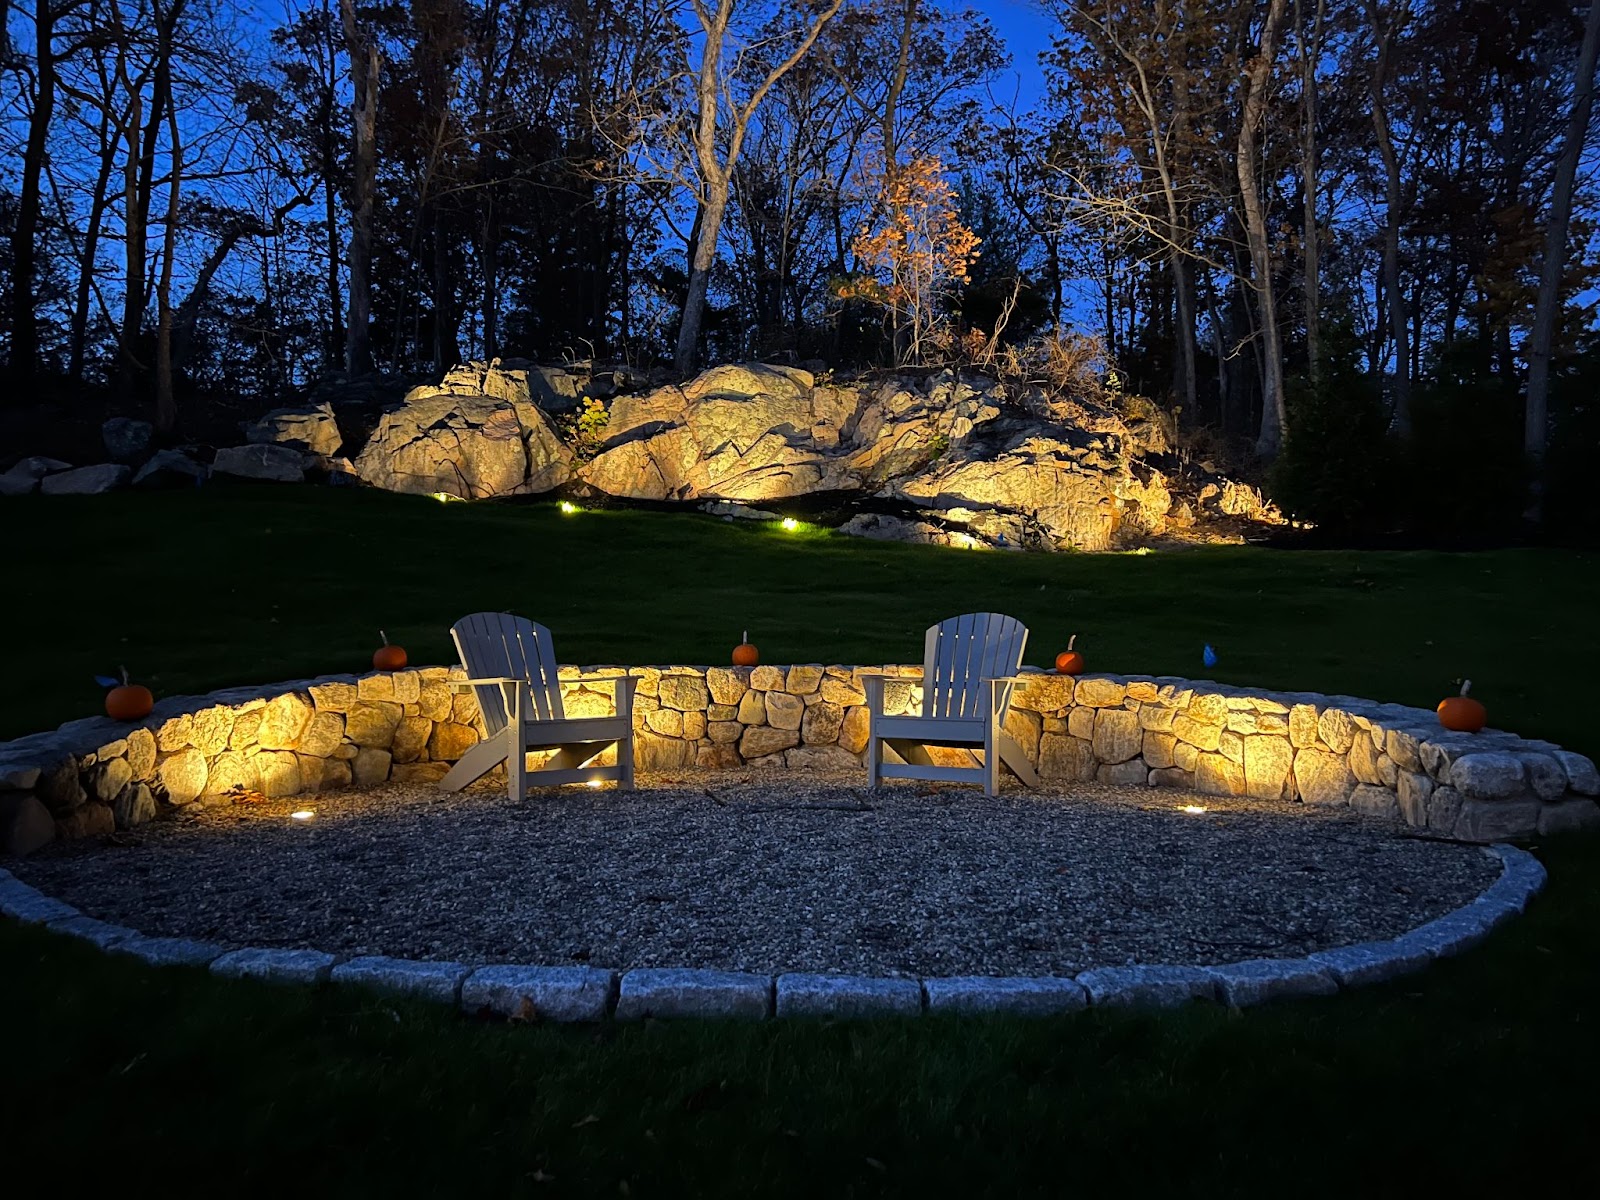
column 511, row 668
column 969, row 667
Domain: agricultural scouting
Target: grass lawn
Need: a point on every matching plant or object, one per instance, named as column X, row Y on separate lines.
column 1477, row 1075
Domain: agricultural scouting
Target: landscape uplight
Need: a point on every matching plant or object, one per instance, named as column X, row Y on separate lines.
column 568, row 507
column 790, row 524
column 304, row 814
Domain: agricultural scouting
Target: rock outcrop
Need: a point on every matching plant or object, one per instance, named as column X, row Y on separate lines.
column 474, row 446
column 964, row 463
column 277, row 464
column 170, row 468
column 127, row 440
column 943, row 457
column 311, row 428
column 24, row 477
column 85, row 481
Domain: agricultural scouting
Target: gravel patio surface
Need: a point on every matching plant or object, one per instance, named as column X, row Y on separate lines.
column 773, row 871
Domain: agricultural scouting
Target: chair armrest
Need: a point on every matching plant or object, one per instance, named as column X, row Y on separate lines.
column 624, row 701
column 466, row 685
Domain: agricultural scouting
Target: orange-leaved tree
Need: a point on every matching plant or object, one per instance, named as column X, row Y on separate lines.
column 912, row 250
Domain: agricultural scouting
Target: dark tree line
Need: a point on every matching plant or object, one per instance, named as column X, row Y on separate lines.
column 1245, row 206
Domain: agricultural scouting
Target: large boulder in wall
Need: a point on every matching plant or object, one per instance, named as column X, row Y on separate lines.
column 469, row 445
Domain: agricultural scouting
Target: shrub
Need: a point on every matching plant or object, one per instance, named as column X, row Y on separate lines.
column 585, row 428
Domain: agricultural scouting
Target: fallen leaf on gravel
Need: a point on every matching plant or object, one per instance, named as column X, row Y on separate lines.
column 876, row 1165
column 591, row 1119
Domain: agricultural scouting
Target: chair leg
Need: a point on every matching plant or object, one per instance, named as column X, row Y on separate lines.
column 991, row 760
column 474, row 764
column 874, row 760
column 516, row 765
column 625, row 761
column 1011, row 754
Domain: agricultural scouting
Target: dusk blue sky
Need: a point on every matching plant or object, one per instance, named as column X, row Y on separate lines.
column 1026, row 29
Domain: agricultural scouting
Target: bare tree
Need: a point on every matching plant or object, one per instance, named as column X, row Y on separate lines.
column 717, row 140
column 1308, row 42
column 1152, row 46
column 1258, row 73
column 1547, row 307
column 48, row 56
column 1386, row 29
column 364, row 62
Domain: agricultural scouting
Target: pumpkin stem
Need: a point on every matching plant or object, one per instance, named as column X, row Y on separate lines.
column 384, row 636
column 745, row 637
column 124, row 671
column 1071, row 640
column 1466, row 685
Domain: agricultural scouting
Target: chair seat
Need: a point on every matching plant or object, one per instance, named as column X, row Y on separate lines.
column 930, row 729
column 574, row 729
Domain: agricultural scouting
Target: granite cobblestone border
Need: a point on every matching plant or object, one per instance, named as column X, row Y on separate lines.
column 586, row 994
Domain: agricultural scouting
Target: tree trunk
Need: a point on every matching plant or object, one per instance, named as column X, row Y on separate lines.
column 141, row 179
column 78, row 329
column 133, row 253
column 1310, row 45
column 891, row 144
column 1399, row 328
column 1274, row 417
column 705, row 257
column 1185, row 376
column 24, row 239
column 166, row 406
column 716, row 163
column 1547, row 307
column 363, row 185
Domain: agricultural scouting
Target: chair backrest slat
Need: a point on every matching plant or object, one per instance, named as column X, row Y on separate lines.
column 963, row 650
column 496, row 645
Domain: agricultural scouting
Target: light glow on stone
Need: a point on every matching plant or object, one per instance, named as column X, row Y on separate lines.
column 304, row 814
column 443, row 497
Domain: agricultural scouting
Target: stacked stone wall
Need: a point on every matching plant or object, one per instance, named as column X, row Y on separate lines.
column 96, row 776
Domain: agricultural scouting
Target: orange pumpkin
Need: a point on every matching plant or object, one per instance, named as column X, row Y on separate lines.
column 129, row 701
column 1462, row 713
column 744, row 654
column 388, row 657
column 1069, row 661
